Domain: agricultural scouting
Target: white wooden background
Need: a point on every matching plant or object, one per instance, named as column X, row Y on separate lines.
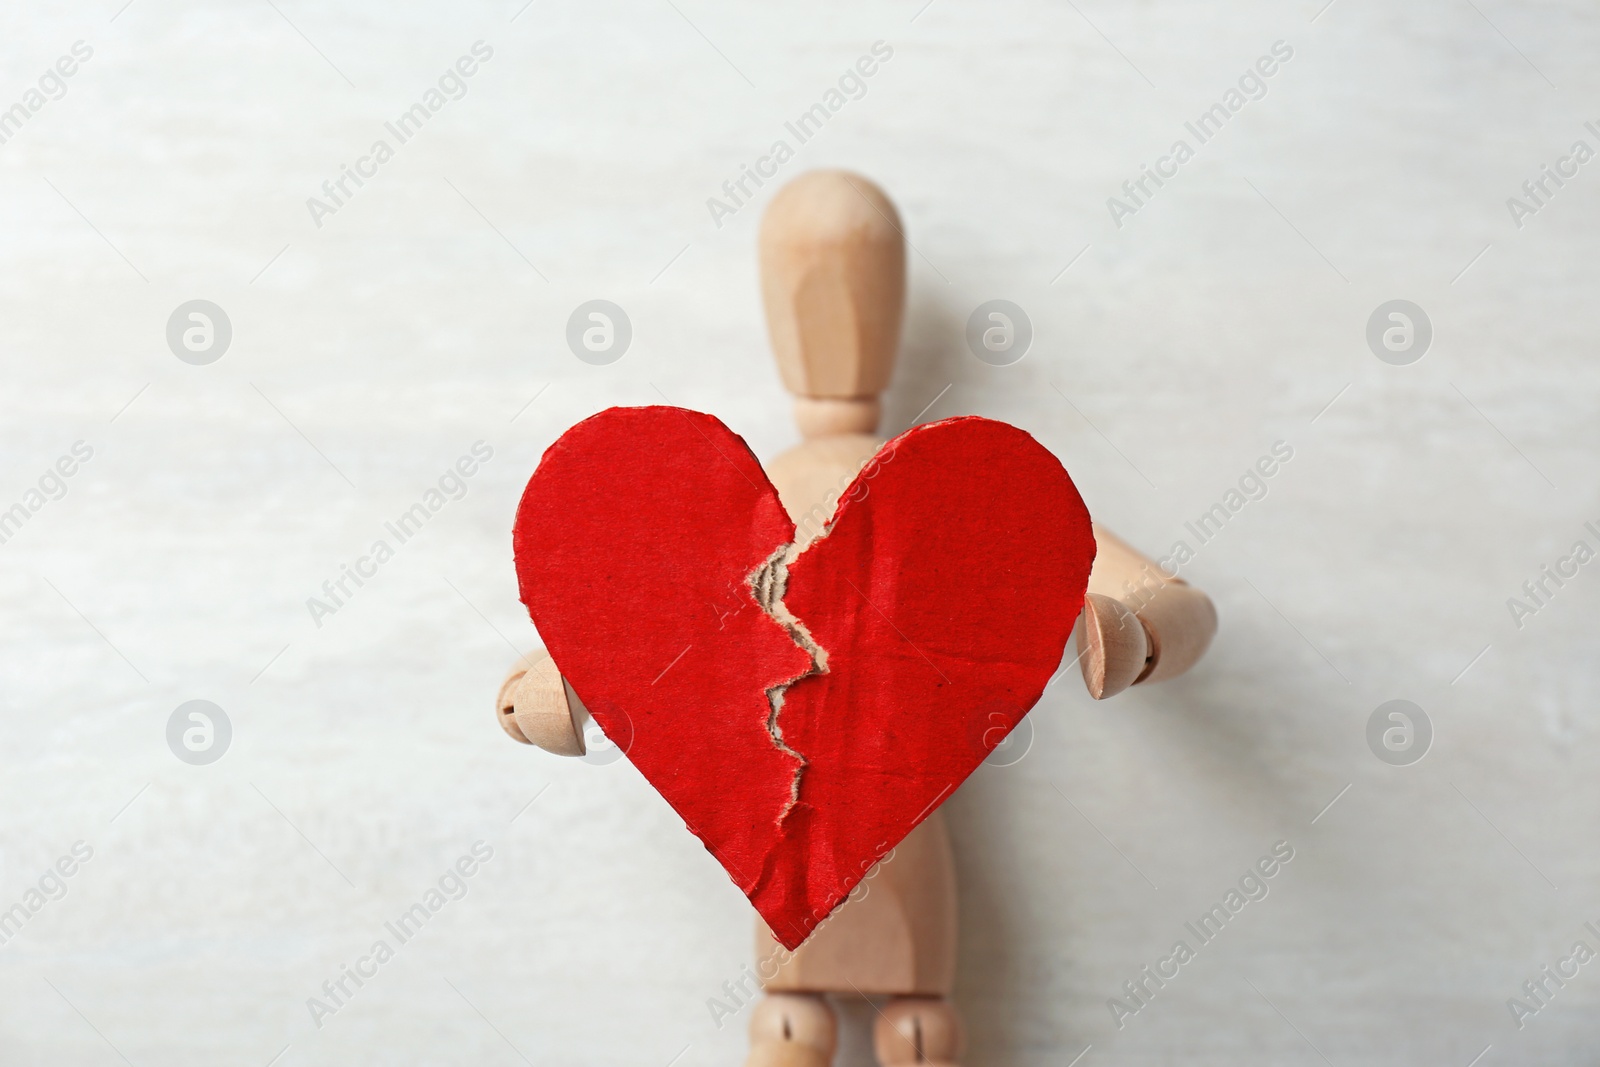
column 368, row 354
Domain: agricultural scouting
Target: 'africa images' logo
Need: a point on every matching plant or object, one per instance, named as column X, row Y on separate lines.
column 452, row 85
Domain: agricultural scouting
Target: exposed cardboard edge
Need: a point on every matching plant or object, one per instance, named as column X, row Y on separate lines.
column 768, row 584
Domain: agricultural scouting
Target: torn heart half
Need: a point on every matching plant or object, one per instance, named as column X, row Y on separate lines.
column 801, row 709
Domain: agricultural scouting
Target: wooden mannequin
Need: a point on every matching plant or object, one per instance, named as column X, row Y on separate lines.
column 833, row 282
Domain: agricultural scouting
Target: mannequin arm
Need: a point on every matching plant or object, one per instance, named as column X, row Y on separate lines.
column 1138, row 625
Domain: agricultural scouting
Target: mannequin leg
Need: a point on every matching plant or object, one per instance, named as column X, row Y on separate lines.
column 917, row 1030
column 792, row 1030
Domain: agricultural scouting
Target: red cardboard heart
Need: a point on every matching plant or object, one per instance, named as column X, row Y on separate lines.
column 656, row 561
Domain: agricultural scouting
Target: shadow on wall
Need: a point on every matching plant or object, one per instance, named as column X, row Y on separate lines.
column 933, row 354
column 1037, row 885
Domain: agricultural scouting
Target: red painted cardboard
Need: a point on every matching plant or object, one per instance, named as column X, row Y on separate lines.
column 942, row 595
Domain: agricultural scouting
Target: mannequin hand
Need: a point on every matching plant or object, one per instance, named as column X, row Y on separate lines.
column 1138, row 623
column 536, row 707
